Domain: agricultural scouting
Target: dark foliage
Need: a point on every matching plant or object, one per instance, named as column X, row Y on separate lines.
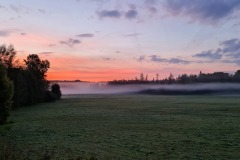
column 30, row 84
column 37, row 66
column 49, row 96
column 7, row 55
column 6, row 93
column 55, row 90
column 185, row 79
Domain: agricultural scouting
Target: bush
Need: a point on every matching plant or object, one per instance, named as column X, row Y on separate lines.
column 55, row 89
column 50, row 97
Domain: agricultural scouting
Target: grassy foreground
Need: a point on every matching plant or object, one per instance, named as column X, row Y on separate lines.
column 125, row 127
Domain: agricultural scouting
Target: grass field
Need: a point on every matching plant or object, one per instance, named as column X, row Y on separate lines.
column 126, row 127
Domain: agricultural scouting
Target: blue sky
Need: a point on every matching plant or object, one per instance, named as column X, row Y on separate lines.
column 108, row 39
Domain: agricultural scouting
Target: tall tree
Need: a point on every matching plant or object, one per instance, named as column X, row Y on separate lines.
column 36, row 77
column 6, row 94
column 7, row 55
column 141, row 78
column 38, row 66
column 236, row 76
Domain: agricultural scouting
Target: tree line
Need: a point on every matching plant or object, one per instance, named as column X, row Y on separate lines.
column 24, row 83
column 216, row 77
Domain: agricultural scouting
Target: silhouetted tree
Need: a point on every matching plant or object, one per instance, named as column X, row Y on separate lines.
column 36, row 78
column 193, row 78
column 36, row 65
column 157, row 76
column 171, row 79
column 55, row 89
column 141, row 78
column 146, row 78
column 236, row 76
column 30, row 84
column 6, row 93
column 185, row 79
column 7, row 55
column 19, row 76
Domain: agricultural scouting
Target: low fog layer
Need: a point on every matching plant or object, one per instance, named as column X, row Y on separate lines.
column 68, row 88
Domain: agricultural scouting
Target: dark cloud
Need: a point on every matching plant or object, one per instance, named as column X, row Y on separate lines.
column 229, row 42
column 150, row 2
column 86, row 35
column 12, row 18
column 109, row 14
column 8, row 32
column 132, row 35
column 46, row 53
column 210, row 54
column 4, row 33
column 19, row 9
column 236, row 25
column 15, row 8
column 158, row 59
column 141, row 58
column 204, row 11
column 131, row 14
column 107, row 59
column 41, row 11
column 151, row 6
column 228, row 52
column 1, row 7
column 178, row 61
column 70, row 42
column 231, row 47
column 155, row 58
column 52, row 45
column 23, row 34
column 152, row 9
column 236, row 61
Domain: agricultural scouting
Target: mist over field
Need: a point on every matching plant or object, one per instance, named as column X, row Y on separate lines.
column 69, row 88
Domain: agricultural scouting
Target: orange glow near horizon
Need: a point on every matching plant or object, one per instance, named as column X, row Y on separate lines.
column 95, row 76
column 95, row 70
column 65, row 67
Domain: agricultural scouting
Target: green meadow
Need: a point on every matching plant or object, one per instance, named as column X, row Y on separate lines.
column 125, row 127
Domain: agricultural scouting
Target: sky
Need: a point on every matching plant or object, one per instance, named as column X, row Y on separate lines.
column 101, row 40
